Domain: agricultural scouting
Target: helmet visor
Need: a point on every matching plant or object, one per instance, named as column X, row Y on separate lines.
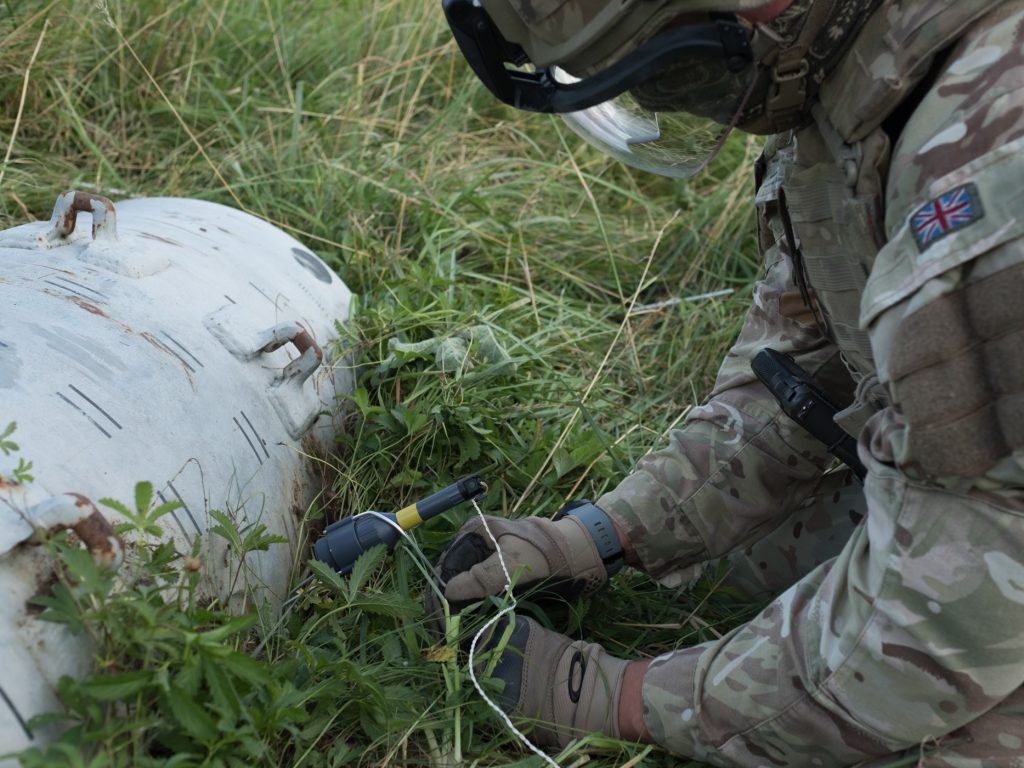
column 673, row 125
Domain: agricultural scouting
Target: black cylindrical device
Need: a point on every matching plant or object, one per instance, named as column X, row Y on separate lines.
column 347, row 539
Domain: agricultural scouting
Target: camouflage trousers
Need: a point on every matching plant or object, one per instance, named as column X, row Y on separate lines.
column 814, row 534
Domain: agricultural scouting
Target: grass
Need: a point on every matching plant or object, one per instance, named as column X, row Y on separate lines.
column 356, row 127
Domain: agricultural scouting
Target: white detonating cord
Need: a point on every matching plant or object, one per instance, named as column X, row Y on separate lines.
column 490, row 623
column 509, row 608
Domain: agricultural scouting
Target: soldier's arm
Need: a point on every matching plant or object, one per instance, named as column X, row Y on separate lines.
column 737, row 465
column 915, row 629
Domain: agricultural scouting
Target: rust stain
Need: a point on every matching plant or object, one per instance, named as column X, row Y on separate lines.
column 153, row 341
column 162, row 348
column 303, row 342
column 167, row 240
column 96, row 533
column 91, row 308
column 56, row 269
column 82, row 203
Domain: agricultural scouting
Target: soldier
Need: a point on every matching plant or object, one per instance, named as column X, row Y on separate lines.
column 890, row 198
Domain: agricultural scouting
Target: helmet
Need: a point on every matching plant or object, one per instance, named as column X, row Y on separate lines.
column 656, row 83
column 585, row 36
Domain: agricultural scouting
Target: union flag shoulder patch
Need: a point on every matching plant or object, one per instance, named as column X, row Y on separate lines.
column 946, row 214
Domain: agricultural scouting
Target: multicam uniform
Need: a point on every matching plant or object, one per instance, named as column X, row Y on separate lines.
column 903, row 633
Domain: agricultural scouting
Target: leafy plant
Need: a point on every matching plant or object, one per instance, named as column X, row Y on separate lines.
column 144, row 519
column 21, row 474
column 8, row 446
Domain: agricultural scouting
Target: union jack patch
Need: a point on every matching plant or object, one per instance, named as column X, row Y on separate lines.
column 945, row 215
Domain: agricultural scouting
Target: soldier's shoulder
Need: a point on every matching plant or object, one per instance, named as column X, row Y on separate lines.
column 974, row 107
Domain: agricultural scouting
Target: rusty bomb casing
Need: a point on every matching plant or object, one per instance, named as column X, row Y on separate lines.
column 176, row 341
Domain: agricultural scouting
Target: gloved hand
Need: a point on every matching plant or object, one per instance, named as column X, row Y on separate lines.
column 560, row 556
column 569, row 687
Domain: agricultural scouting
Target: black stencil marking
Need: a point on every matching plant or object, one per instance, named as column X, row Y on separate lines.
column 163, row 500
column 16, row 713
column 248, row 439
column 281, row 298
column 184, row 506
column 91, row 402
column 83, row 287
column 90, row 418
column 170, row 351
column 182, row 347
column 260, row 440
column 69, row 290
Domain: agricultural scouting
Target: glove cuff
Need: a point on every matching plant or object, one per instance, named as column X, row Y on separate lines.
column 601, row 530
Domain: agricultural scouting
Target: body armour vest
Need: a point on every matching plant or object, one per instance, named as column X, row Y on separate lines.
column 821, row 188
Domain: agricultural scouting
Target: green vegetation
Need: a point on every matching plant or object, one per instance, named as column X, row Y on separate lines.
column 355, row 126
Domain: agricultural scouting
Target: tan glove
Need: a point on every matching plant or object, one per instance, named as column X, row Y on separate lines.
column 569, row 687
column 558, row 556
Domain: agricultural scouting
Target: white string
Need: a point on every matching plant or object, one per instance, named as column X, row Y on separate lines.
column 416, row 548
column 509, row 608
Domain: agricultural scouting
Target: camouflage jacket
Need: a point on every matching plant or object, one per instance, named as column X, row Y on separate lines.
column 892, row 236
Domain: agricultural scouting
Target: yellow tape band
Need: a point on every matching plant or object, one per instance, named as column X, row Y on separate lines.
column 408, row 517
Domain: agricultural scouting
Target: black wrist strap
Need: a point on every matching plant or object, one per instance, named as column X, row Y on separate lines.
column 601, row 530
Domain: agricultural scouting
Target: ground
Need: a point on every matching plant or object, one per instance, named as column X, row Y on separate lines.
column 357, row 128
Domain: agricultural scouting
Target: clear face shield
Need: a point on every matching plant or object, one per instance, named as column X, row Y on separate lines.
column 667, row 107
column 658, row 137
